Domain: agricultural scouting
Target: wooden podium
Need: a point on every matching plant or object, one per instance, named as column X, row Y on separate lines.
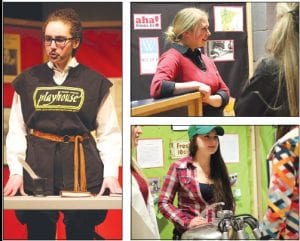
column 62, row 203
column 147, row 107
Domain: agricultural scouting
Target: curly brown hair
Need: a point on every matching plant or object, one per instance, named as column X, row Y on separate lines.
column 68, row 16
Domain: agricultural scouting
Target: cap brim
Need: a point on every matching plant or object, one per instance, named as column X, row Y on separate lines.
column 219, row 130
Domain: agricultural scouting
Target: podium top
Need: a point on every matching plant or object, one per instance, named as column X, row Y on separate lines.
column 62, row 203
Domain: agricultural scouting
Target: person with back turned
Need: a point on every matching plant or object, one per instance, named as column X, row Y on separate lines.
column 273, row 90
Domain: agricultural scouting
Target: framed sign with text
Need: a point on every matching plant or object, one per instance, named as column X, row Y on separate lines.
column 11, row 56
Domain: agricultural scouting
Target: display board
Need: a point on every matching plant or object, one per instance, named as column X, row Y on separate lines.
column 243, row 171
column 227, row 44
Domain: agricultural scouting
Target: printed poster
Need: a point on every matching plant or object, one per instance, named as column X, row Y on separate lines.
column 229, row 19
column 149, row 54
column 146, row 21
column 150, row 153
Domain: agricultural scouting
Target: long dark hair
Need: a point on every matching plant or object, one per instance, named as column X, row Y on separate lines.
column 218, row 173
column 282, row 130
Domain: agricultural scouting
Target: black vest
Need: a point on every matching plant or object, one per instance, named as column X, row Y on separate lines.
column 69, row 109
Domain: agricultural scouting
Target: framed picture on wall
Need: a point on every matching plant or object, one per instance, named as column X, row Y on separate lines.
column 149, row 54
column 154, row 184
column 11, row 56
column 150, row 153
column 229, row 18
column 6, row 114
column 179, row 128
column 221, row 50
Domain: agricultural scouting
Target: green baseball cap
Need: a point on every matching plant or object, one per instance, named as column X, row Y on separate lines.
column 203, row 130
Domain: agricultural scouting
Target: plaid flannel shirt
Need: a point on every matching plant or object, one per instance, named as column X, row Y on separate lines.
column 181, row 179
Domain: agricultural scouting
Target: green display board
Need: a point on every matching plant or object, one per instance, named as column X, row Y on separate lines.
column 244, row 188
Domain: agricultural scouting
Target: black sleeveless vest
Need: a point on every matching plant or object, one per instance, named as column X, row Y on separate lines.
column 63, row 110
column 69, row 109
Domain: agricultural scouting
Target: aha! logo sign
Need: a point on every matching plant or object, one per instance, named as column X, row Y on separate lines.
column 146, row 21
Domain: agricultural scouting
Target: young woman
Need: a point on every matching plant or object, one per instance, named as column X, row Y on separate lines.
column 144, row 224
column 274, row 88
column 183, row 68
column 199, row 180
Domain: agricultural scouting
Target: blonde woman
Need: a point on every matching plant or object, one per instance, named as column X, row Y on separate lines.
column 183, row 68
column 143, row 218
column 274, row 88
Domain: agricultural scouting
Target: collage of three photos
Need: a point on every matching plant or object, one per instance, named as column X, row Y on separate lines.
column 150, row 120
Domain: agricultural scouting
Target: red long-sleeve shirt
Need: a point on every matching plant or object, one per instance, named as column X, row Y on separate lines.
column 180, row 64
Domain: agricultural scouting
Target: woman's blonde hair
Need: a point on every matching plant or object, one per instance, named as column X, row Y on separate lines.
column 134, row 165
column 185, row 20
column 283, row 44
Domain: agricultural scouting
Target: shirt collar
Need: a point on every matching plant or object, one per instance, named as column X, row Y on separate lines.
column 183, row 49
column 71, row 64
column 188, row 163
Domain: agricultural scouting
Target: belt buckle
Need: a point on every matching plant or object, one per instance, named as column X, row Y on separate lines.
column 66, row 139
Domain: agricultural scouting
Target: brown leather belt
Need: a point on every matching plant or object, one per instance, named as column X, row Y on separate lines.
column 79, row 159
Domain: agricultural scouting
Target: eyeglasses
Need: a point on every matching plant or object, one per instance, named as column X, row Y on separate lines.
column 59, row 41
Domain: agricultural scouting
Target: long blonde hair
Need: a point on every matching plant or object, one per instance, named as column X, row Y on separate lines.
column 134, row 165
column 136, row 168
column 283, row 44
column 185, row 20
